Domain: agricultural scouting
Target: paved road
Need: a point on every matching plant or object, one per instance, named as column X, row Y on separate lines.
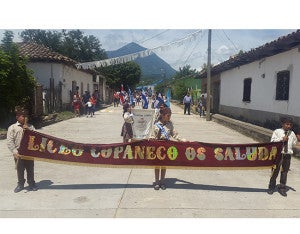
column 78, row 191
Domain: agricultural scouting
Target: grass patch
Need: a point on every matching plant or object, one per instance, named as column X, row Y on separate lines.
column 64, row 115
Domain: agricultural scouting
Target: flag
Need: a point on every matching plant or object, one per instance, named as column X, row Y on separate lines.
column 158, row 101
column 168, row 97
column 131, row 101
column 122, row 99
column 145, row 102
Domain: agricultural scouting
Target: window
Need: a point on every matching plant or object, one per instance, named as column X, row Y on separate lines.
column 247, row 90
column 283, row 85
column 94, row 78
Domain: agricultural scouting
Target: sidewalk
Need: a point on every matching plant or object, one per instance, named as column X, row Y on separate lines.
column 68, row 191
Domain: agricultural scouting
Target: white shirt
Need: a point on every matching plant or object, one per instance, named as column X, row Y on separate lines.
column 128, row 117
column 14, row 136
column 278, row 135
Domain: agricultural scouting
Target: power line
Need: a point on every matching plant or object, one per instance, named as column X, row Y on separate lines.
column 133, row 56
column 193, row 49
column 230, row 40
column 143, row 41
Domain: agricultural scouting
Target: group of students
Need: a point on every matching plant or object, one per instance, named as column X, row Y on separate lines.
column 163, row 129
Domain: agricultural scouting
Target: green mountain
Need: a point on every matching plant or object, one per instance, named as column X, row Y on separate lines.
column 152, row 66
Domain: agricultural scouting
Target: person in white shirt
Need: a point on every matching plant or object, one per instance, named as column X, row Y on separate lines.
column 289, row 140
column 127, row 132
column 14, row 137
column 163, row 129
column 187, row 101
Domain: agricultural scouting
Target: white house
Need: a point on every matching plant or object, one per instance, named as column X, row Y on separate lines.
column 59, row 76
column 262, row 85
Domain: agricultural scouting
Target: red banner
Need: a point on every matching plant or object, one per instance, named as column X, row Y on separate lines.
column 151, row 153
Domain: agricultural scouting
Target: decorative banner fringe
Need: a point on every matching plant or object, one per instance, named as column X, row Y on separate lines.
column 134, row 56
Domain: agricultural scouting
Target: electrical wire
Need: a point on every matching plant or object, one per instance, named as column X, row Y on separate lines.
column 193, row 49
column 230, row 41
column 156, row 35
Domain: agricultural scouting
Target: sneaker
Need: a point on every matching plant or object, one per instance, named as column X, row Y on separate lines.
column 33, row 188
column 156, row 186
column 19, row 188
column 282, row 192
column 270, row 191
column 163, row 186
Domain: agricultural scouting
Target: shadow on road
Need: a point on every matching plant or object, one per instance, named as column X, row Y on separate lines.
column 172, row 183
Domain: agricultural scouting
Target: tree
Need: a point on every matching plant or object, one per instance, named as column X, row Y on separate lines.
column 204, row 67
column 128, row 74
column 51, row 39
column 82, row 48
column 179, row 90
column 16, row 81
column 161, row 88
column 185, row 72
column 73, row 44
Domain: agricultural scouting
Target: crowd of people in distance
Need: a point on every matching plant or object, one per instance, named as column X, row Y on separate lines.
column 145, row 98
column 85, row 104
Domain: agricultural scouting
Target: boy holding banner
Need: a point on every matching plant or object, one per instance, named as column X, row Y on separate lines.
column 163, row 129
column 14, row 137
column 289, row 140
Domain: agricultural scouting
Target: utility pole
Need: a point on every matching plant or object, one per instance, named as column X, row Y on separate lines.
column 208, row 118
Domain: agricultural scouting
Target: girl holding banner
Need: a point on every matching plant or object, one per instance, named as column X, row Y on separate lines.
column 163, row 129
column 127, row 132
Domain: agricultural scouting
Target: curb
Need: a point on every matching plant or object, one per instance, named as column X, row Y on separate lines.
column 256, row 132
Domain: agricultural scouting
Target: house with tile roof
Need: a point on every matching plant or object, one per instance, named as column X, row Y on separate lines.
column 59, row 77
column 261, row 85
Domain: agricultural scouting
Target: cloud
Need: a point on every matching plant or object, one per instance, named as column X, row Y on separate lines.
column 113, row 41
column 223, row 49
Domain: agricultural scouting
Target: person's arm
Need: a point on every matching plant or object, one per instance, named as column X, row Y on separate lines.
column 11, row 143
column 176, row 136
column 154, row 133
column 294, row 139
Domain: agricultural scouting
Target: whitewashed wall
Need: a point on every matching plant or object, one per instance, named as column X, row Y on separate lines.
column 263, row 90
column 61, row 73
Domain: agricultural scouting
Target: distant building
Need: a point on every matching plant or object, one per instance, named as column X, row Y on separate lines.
column 261, row 85
column 59, row 77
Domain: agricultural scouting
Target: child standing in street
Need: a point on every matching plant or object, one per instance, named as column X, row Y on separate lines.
column 89, row 108
column 163, row 130
column 14, row 137
column 127, row 132
column 289, row 140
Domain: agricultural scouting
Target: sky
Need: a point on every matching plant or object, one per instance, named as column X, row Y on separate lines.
column 224, row 44
column 153, row 25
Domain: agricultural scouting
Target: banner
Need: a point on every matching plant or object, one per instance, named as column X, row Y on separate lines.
column 142, row 123
column 140, row 54
column 151, row 153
